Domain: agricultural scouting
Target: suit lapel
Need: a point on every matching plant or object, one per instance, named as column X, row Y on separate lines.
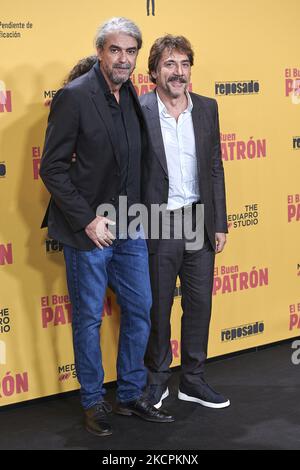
column 100, row 102
column 152, row 117
column 198, row 123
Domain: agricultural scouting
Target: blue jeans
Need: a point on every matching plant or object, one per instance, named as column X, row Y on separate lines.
column 124, row 266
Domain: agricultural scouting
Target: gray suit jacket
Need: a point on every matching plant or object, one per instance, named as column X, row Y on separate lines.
column 155, row 181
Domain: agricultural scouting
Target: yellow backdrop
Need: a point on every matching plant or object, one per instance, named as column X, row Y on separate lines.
column 247, row 57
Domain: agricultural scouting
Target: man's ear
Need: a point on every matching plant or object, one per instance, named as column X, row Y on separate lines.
column 153, row 75
column 99, row 52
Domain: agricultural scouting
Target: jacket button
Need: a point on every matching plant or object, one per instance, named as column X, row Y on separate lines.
column 113, row 199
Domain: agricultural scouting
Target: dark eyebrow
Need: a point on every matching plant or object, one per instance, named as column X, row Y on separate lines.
column 133, row 48
column 185, row 61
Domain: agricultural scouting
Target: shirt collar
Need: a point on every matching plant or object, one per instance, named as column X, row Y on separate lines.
column 163, row 110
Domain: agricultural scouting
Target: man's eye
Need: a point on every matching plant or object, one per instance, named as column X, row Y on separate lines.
column 114, row 50
column 132, row 51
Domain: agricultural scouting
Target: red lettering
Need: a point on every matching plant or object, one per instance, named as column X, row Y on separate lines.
column 294, row 321
column 36, row 152
column 5, row 101
column 107, row 310
column 288, row 86
column 44, row 301
column 36, row 163
column 293, row 212
column 292, row 309
column 68, row 308
column 174, row 347
column 6, row 256
column 59, row 316
column 47, row 316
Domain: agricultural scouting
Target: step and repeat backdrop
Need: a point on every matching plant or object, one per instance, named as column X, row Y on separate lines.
column 247, row 58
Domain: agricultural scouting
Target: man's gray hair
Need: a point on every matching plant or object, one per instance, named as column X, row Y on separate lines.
column 120, row 25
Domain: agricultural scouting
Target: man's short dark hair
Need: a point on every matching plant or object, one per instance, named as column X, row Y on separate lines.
column 170, row 42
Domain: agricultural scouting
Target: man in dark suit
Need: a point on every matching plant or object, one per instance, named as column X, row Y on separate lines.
column 98, row 117
column 183, row 167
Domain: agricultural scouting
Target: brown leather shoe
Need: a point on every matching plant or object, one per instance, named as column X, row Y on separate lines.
column 143, row 408
column 96, row 420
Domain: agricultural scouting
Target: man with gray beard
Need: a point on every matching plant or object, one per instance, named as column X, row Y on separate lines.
column 97, row 116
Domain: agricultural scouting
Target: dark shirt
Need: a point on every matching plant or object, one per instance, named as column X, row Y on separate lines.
column 128, row 131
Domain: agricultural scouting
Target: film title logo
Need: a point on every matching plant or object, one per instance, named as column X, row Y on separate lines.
column 56, row 310
column 243, row 87
column 296, row 142
column 13, row 384
column 5, row 99
column 2, row 352
column 294, row 311
column 2, row 170
column 6, row 254
column 246, row 218
column 228, row 279
column 66, row 372
column 292, row 84
column 293, row 208
column 234, row 149
column 242, row 331
column 143, row 84
column 53, row 246
column 4, row 320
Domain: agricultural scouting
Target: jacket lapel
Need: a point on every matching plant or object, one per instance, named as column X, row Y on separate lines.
column 100, row 102
column 152, row 117
column 198, row 123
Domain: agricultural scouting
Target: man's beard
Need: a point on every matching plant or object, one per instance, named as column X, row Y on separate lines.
column 113, row 73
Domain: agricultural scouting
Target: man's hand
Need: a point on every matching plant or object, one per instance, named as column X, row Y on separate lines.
column 98, row 231
column 220, row 241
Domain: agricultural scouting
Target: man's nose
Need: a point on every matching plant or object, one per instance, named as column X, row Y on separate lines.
column 123, row 56
column 179, row 69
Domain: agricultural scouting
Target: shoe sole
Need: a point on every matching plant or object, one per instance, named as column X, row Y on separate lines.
column 126, row 412
column 99, row 434
column 164, row 395
column 184, row 397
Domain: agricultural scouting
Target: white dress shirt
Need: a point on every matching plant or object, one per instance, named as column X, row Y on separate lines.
column 180, row 150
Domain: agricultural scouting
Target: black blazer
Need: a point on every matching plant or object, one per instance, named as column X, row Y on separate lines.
column 155, row 186
column 80, row 121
